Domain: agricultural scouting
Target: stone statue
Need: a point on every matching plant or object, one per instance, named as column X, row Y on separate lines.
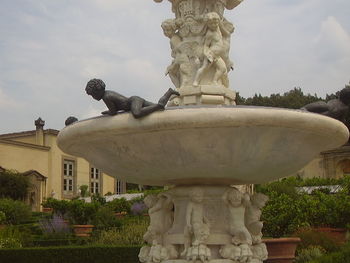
column 70, row 120
column 116, row 102
column 200, row 44
column 161, row 217
column 335, row 108
column 169, row 29
column 236, row 203
column 259, row 253
column 253, row 214
column 230, row 251
column 213, row 49
column 197, row 228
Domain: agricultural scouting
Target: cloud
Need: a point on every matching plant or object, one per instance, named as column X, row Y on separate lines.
column 6, row 102
column 333, row 42
column 92, row 111
column 50, row 49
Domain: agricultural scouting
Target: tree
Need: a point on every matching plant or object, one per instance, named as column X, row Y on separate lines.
column 293, row 99
column 13, row 185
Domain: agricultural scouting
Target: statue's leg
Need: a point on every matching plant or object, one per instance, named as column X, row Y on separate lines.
column 220, row 70
column 200, row 72
column 138, row 108
column 165, row 98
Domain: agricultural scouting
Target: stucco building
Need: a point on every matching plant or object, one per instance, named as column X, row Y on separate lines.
column 330, row 164
column 52, row 172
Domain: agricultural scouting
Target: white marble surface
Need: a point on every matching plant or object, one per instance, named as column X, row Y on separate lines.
column 221, row 145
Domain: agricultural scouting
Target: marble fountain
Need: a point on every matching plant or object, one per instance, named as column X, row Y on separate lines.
column 202, row 145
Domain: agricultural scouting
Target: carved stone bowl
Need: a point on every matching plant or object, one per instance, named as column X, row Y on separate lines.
column 203, row 145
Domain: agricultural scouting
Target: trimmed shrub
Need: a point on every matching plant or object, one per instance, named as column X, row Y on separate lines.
column 15, row 211
column 73, row 254
column 81, row 213
column 119, row 205
column 60, row 207
column 282, row 215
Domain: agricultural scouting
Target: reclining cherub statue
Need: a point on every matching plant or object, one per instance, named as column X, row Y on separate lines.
column 116, row 102
column 335, row 108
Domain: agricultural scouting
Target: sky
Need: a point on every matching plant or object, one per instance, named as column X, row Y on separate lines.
column 49, row 49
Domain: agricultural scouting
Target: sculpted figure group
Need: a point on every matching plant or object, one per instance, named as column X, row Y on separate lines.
column 200, row 43
column 243, row 217
column 245, row 227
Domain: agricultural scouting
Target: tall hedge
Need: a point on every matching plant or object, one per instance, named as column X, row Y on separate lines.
column 72, row 254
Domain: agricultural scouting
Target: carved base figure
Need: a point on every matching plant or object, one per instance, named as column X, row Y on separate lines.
column 203, row 224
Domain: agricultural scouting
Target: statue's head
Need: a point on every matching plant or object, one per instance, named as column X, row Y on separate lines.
column 95, row 88
column 150, row 200
column 169, row 27
column 197, row 195
column 259, row 200
column 234, row 196
column 344, row 95
column 213, row 20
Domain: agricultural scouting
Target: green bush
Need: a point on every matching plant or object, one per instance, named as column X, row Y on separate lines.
column 308, row 254
column 10, row 242
column 2, row 217
column 15, row 211
column 105, row 218
column 73, row 254
column 282, row 215
column 60, row 207
column 15, row 236
column 120, row 205
column 313, row 238
column 82, row 213
column 84, row 190
column 288, row 210
column 342, row 256
column 13, row 185
column 60, row 242
column 131, row 233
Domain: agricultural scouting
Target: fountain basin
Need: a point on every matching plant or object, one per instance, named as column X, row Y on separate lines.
column 203, row 145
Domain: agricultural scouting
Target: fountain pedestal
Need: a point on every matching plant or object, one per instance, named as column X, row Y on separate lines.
column 205, row 224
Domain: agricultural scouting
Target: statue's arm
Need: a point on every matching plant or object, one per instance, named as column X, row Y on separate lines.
column 189, row 215
column 156, row 207
column 112, row 109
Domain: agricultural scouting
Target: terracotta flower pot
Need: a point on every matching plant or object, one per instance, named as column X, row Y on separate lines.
column 281, row 250
column 47, row 209
column 120, row 214
column 83, row 230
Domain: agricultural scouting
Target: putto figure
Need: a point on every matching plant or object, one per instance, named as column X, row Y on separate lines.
column 335, row 108
column 116, row 102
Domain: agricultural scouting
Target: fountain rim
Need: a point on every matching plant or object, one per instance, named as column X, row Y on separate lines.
column 190, row 117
